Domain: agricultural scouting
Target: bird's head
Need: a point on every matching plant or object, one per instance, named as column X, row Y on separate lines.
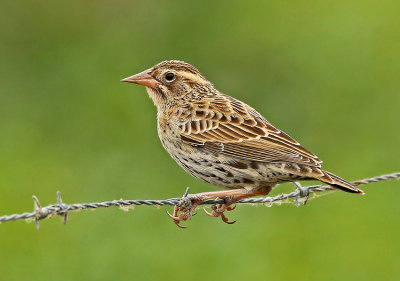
column 171, row 81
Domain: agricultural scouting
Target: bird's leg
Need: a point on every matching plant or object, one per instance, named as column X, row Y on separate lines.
column 189, row 203
column 231, row 197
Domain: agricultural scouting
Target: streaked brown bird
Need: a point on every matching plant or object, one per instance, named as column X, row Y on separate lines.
column 223, row 141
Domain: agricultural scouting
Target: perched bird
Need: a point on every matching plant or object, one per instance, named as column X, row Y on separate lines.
column 223, row 141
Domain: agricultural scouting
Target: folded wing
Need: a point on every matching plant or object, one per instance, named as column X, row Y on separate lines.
column 225, row 125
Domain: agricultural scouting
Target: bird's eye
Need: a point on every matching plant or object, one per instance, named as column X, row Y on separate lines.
column 170, row 76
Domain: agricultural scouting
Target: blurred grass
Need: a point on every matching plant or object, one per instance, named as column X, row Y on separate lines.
column 326, row 72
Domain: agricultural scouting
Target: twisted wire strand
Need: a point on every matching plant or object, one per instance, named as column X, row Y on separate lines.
column 62, row 209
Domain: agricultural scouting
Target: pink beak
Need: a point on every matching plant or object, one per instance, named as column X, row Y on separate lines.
column 143, row 78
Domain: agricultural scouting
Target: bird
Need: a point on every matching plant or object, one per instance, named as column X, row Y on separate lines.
column 223, row 141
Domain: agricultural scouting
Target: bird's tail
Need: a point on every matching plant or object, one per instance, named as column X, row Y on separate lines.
column 339, row 183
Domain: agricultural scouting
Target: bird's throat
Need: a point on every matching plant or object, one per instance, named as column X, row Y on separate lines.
column 158, row 97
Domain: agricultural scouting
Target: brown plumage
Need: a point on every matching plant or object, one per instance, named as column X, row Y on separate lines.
column 223, row 141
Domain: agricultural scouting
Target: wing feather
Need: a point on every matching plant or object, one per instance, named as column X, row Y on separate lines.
column 228, row 126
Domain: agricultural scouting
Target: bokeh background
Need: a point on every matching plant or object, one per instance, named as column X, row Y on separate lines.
column 326, row 72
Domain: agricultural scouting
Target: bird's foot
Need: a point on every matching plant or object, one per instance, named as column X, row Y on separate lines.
column 187, row 206
column 187, row 213
column 219, row 211
column 189, row 203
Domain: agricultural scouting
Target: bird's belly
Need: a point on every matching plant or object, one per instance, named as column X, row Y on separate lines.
column 223, row 171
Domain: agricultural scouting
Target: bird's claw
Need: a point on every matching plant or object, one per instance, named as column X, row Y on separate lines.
column 219, row 212
column 230, row 208
column 187, row 214
column 177, row 219
column 187, row 206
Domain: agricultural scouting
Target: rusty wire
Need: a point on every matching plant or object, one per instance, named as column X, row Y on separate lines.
column 62, row 209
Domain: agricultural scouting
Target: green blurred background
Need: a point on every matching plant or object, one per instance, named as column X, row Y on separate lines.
column 326, row 72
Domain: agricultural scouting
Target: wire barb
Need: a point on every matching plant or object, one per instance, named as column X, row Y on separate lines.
column 38, row 211
column 62, row 209
column 186, row 203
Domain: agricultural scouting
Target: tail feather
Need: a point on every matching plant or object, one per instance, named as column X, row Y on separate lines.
column 339, row 183
column 305, row 172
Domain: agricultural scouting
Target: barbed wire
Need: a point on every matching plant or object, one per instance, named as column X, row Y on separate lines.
column 62, row 209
